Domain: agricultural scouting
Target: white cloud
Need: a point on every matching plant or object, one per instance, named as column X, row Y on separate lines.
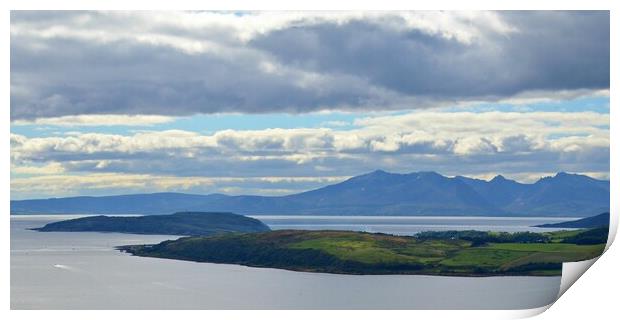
column 463, row 133
column 441, row 136
column 91, row 143
column 539, row 96
column 198, row 32
column 113, row 182
column 46, row 169
column 98, row 120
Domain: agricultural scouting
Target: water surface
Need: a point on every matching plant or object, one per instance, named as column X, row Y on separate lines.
column 410, row 225
column 81, row 270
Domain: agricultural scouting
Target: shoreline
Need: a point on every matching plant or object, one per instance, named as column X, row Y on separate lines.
column 123, row 249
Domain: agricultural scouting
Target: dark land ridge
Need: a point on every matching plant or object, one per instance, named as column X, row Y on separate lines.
column 180, row 223
column 599, row 220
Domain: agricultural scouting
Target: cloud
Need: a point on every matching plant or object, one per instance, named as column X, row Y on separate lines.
column 443, row 131
column 97, row 120
column 549, row 52
column 448, row 142
column 69, row 184
column 93, row 69
column 241, row 27
column 184, row 63
column 47, row 169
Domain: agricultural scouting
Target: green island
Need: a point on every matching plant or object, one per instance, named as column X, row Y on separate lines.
column 180, row 223
column 454, row 253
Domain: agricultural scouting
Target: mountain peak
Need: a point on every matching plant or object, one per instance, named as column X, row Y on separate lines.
column 499, row 178
column 572, row 179
column 565, row 176
column 429, row 174
column 379, row 172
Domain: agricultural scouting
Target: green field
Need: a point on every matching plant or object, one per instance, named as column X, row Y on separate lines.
column 466, row 253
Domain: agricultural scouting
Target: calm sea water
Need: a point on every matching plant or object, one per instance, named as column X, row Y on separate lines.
column 408, row 225
column 81, row 270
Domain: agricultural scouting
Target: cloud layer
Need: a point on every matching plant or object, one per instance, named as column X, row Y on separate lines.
column 124, row 102
column 156, row 63
column 468, row 143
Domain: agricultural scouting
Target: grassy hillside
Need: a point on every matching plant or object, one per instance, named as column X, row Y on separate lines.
column 441, row 253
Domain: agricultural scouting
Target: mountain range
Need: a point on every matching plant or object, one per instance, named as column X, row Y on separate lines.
column 375, row 193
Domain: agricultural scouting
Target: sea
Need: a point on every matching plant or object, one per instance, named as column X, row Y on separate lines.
column 83, row 270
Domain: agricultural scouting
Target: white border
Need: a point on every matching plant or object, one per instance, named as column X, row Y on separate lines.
column 584, row 300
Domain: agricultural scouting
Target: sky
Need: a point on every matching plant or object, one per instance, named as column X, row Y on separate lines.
column 276, row 103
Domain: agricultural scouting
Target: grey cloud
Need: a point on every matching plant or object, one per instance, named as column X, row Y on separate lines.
column 517, row 143
column 354, row 65
column 127, row 78
column 550, row 51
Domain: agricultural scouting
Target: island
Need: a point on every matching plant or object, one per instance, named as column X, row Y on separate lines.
column 180, row 223
column 599, row 220
column 454, row 253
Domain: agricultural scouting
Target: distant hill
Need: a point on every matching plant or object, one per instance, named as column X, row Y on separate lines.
column 181, row 223
column 155, row 203
column 375, row 193
column 599, row 220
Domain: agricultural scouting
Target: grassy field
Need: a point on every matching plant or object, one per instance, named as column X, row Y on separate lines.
column 371, row 253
